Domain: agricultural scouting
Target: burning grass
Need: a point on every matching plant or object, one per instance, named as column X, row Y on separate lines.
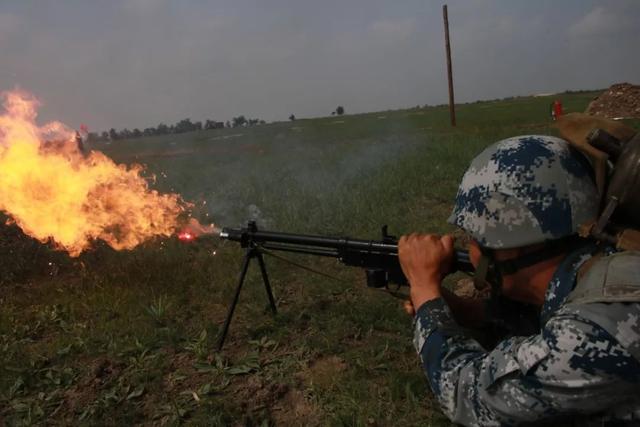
column 127, row 337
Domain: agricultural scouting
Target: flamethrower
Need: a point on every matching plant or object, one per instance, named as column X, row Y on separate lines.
column 379, row 258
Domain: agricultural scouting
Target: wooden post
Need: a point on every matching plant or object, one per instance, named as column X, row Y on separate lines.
column 452, row 108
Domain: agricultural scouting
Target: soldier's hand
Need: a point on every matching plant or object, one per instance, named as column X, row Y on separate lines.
column 425, row 259
column 408, row 308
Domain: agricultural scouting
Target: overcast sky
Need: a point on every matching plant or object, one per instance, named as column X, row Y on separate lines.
column 135, row 63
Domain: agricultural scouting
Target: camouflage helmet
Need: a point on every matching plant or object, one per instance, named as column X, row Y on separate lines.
column 525, row 190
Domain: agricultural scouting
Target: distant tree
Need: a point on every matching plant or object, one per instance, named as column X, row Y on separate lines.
column 228, row 124
column 113, row 134
column 333, row 113
column 184, row 125
column 292, row 117
column 136, row 133
column 209, row 124
column 262, row 122
column 162, row 129
column 104, row 136
column 340, row 110
column 125, row 133
column 239, row 121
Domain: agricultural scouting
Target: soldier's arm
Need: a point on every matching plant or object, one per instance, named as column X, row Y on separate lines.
column 571, row 367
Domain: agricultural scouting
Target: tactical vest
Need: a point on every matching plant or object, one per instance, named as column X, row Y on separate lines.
column 611, row 279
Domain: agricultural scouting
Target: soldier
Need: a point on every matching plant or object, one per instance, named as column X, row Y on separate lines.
column 522, row 201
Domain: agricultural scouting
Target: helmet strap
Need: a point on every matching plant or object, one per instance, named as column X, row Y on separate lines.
column 484, row 270
column 491, row 271
column 487, row 275
column 549, row 250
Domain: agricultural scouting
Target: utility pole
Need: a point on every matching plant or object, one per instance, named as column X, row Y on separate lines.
column 452, row 108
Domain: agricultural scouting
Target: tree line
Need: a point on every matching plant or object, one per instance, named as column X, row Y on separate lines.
column 185, row 125
column 339, row 111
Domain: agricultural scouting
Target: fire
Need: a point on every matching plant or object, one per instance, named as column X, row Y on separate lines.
column 194, row 229
column 54, row 192
column 186, row 236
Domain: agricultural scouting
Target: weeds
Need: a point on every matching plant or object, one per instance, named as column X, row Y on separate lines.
column 199, row 346
column 126, row 338
column 157, row 310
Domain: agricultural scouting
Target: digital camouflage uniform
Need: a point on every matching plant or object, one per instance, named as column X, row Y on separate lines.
column 584, row 362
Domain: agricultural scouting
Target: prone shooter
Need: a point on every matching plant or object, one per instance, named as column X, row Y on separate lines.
column 553, row 223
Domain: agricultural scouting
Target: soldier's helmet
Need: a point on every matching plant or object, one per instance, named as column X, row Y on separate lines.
column 525, row 190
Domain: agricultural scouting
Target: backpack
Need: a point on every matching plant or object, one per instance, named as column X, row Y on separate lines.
column 614, row 151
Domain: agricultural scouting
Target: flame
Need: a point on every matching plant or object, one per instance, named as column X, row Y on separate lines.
column 186, row 236
column 54, row 192
column 194, row 229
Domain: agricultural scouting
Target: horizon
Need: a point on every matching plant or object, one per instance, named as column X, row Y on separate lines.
column 137, row 63
column 346, row 113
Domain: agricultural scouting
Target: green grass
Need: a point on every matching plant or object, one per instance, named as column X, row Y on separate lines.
column 122, row 338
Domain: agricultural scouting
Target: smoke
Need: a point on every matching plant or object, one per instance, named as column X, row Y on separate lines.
column 275, row 175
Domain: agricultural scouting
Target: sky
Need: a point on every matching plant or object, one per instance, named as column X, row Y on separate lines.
column 136, row 63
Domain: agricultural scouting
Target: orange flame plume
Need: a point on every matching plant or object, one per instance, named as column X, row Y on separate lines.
column 54, row 192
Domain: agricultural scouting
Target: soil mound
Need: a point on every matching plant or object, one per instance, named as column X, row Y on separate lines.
column 622, row 100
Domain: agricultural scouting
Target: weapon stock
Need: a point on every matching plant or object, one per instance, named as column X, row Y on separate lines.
column 379, row 258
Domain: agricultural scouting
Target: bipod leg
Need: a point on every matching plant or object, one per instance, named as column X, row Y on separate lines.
column 251, row 252
column 265, row 279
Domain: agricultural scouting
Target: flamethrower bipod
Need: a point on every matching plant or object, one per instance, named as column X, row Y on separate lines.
column 379, row 258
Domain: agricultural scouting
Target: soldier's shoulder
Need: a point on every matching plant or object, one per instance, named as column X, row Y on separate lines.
column 613, row 278
column 608, row 295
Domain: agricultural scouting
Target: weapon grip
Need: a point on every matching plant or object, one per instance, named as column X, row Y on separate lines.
column 377, row 278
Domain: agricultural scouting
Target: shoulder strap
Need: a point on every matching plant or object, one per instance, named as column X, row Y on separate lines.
column 614, row 278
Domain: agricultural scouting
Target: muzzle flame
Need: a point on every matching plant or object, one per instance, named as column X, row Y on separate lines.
column 55, row 193
column 194, row 230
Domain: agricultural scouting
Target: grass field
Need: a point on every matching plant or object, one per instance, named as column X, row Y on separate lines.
column 121, row 338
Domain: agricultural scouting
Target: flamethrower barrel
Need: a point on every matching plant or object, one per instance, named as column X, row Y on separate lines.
column 239, row 235
column 333, row 253
column 323, row 245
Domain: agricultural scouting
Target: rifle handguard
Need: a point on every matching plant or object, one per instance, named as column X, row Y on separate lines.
column 379, row 258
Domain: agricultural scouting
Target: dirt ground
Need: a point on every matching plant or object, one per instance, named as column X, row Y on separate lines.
column 622, row 100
